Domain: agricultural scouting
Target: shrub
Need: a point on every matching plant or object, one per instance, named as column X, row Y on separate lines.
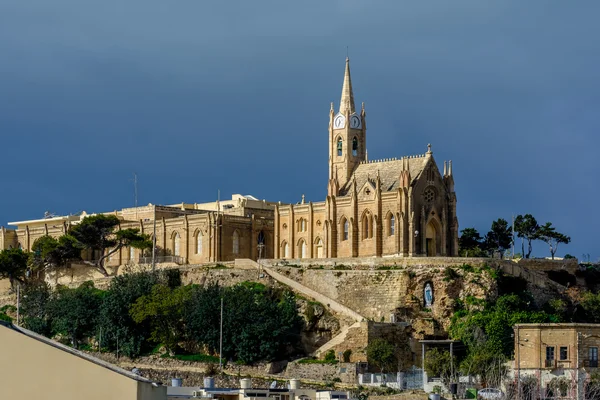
column 346, row 355
column 330, row 355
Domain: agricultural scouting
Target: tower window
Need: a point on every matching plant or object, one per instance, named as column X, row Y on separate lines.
column 339, row 147
column 354, row 147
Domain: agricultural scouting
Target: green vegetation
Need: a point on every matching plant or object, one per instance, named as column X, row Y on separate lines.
column 382, row 355
column 142, row 311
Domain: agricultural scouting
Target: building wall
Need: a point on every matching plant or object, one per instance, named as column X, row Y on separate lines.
column 38, row 370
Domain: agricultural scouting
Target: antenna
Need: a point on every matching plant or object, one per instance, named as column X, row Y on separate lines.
column 135, row 194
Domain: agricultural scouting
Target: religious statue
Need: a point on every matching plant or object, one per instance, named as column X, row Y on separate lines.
column 428, row 295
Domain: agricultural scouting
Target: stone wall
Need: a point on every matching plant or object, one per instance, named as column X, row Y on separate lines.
column 397, row 294
column 542, row 264
column 346, row 372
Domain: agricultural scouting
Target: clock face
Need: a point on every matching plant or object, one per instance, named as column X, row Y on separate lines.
column 339, row 121
column 355, row 122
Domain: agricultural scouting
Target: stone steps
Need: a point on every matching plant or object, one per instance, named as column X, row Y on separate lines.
column 338, row 339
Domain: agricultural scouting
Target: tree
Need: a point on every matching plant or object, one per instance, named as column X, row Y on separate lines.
column 119, row 330
column 438, row 364
column 590, row 303
column 381, row 354
column 499, row 238
column 548, row 234
column 470, row 243
column 163, row 308
column 527, row 228
column 34, row 307
column 13, row 265
column 74, row 312
column 48, row 252
column 97, row 233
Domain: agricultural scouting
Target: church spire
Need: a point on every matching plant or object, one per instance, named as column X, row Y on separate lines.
column 347, row 100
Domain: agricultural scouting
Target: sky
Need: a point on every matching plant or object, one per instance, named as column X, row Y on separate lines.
column 199, row 96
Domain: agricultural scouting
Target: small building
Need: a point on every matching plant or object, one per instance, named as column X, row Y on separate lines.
column 559, row 352
column 35, row 367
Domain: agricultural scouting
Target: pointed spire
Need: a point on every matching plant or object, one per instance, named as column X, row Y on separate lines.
column 347, row 99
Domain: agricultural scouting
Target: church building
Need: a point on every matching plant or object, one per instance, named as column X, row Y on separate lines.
column 395, row 206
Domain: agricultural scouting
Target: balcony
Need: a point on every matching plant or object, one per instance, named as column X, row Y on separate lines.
column 550, row 364
column 590, row 363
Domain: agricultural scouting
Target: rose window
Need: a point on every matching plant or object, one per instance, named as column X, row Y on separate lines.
column 429, row 195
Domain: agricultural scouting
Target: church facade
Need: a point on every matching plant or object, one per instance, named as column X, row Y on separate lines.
column 397, row 206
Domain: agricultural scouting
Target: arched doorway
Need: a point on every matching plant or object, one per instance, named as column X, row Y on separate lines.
column 431, row 239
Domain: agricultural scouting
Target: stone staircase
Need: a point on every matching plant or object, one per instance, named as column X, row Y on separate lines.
column 338, row 339
column 297, row 287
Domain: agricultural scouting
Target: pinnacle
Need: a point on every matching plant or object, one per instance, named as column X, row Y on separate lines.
column 347, row 99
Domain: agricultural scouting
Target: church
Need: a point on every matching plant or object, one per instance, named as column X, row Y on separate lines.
column 391, row 207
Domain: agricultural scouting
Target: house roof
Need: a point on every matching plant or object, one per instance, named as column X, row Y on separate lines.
column 74, row 352
column 389, row 172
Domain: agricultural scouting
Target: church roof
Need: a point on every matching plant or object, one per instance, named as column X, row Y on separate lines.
column 347, row 99
column 389, row 172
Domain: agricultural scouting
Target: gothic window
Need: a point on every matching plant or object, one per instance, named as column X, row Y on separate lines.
column 302, row 248
column 392, row 225
column 354, row 147
column 236, row 242
column 429, row 195
column 367, row 226
column 199, row 243
column 286, row 250
column 346, row 229
column 176, row 244
column 339, row 147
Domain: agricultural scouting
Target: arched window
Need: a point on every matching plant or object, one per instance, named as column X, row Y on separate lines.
column 392, row 225
column 199, row 243
column 236, row 242
column 345, row 233
column 354, row 147
column 367, row 226
column 339, row 147
column 302, row 248
column 176, row 244
column 286, row 250
column 319, row 248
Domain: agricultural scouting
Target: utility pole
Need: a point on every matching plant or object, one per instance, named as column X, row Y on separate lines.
column 221, row 339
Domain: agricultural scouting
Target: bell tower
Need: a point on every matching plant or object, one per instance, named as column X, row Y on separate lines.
column 347, row 137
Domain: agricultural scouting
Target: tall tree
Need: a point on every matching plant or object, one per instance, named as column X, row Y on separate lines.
column 499, row 238
column 100, row 232
column 48, row 252
column 470, row 242
column 13, row 265
column 548, row 234
column 527, row 228
column 381, row 354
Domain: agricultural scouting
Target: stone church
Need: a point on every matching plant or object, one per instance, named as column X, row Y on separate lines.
column 395, row 206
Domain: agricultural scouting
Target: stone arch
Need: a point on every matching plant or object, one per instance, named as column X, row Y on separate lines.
column 339, row 146
column 433, row 237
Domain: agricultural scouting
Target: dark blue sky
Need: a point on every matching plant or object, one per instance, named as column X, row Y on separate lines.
column 196, row 96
